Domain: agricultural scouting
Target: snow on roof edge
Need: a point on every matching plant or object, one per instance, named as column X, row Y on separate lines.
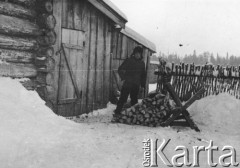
column 139, row 38
column 115, row 8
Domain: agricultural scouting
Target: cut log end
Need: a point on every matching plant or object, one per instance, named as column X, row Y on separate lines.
column 47, row 39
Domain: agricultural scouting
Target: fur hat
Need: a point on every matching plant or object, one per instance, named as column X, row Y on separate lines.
column 138, row 49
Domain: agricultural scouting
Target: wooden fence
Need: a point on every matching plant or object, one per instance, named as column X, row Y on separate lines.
column 188, row 78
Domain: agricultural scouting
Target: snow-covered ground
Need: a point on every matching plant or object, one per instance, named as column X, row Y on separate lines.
column 32, row 136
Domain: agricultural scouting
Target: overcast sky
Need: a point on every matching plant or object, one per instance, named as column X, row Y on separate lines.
column 204, row 25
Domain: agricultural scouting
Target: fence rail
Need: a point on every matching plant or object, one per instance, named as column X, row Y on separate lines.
column 188, row 78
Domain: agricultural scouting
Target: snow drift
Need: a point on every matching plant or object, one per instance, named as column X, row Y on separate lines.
column 32, row 136
column 29, row 130
column 219, row 113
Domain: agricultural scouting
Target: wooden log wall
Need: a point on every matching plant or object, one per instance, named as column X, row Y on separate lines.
column 18, row 34
column 122, row 48
column 44, row 60
column 82, row 16
column 188, row 78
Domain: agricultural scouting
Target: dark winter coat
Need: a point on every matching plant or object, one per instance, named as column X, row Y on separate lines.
column 132, row 70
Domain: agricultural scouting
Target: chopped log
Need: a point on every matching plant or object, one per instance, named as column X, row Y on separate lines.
column 16, row 11
column 47, row 39
column 18, row 43
column 16, row 56
column 50, row 89
column 40, row 58
column 41, row 79
column 47, row 21
column 46, row 66
column 17, row 70
column 45, row 52
column 45, row 6
column 145, row 113
column 19, row 27
column 27, row 3
column 49, row 79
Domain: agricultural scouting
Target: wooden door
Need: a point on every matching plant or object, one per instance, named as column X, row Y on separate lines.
column 71, row 72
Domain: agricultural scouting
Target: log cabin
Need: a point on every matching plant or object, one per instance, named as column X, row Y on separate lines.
column 70, row 49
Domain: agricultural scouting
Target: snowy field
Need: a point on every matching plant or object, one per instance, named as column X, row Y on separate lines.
column 32, row 136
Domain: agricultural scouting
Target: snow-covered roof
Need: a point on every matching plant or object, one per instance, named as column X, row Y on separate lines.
column 115, row 8
column 110, row 10
column 139, row 38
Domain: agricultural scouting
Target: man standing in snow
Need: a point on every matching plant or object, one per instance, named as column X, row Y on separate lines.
column 132, row 72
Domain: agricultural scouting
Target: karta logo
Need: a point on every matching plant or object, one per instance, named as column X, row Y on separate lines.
column 154, row 153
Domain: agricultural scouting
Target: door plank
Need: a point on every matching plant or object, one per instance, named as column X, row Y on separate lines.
column 124, row 47
column 72, row 59
column 71, row 75
column 64, row 13
column 57, row 12
column 86, row 28
column 77, row 14
column 63, row 69
column 91, row 74
column 99, row 59
column 70, row 14
column 119, row 46
column 71, row 72
column 107, row 63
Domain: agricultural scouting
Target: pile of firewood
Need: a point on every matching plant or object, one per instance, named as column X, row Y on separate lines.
column 152, row 111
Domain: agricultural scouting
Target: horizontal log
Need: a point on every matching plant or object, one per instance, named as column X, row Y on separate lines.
column 16, row 56
column 27, row 3
column 17, row 70
column 25, row 44
column 16, row 11
column 19, row 27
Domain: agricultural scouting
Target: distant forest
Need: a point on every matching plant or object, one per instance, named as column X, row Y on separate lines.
column 200, row 59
